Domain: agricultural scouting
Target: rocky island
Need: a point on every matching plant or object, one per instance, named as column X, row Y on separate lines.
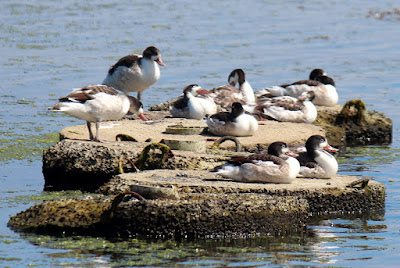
column 142, row 186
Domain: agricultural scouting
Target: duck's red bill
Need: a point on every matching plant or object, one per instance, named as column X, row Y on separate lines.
column 203, row 91
column 292, row 154
column 331, row 149
column 160, row 62
column 141, row 116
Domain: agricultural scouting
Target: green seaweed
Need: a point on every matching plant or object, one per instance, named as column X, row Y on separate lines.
column 28, row 147
column 150, row 159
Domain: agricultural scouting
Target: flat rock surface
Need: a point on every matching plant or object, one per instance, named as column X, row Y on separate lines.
column 268, row 132
column 206, row 179
column 339, row 194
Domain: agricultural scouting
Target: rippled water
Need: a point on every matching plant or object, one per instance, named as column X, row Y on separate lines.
column 49, row 47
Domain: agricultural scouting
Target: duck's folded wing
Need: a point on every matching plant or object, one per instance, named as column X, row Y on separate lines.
column 312, row 170
column 258, row 157
column 303, row 82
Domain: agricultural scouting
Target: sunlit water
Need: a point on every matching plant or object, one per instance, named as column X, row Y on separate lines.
column 49, row 47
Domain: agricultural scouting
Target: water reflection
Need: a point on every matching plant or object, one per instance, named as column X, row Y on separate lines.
column 354, row 160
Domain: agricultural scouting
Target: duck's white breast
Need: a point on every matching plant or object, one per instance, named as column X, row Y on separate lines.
column 326, row 96
column 245, row 125
column 327, row 162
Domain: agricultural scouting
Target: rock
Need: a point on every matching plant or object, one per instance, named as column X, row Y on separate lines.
column 181, row 198
column 75, row 163
column 352, row 124
column 340, row 194
column 208, row 206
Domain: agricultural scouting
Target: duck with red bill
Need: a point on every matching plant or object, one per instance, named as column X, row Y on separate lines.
column 317, row 162
column 97, row 103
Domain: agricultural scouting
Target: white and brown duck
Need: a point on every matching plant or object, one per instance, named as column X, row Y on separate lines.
column 234, row 123
column 288, row 109
column 322, row 85
column 225, row 96
column 97, row 103
column 135, row 73
column 275, row 166
column 317, row 162
column 193, row 104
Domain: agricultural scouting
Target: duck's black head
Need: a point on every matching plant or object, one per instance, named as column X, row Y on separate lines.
column 325, row 80
column 152, row 53
column 193, row 88
column 236, row 76
column 237, row 109
column 316, row 142
column 278, row 148
column 316, row 72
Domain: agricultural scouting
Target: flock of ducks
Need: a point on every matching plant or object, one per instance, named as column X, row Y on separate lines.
column 228, row 111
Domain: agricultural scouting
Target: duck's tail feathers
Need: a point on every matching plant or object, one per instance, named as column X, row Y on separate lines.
column 276, row 91
column 228, row 171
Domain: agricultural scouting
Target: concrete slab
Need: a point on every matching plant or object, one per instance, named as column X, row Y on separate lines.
column 268, row 132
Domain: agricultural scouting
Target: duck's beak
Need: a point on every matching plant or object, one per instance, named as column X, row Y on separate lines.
column 141, row 116
column 233, row 84
column 330, row 149
column 302, row 97
column 292, row 154
column 160, row 62
column 203, row 91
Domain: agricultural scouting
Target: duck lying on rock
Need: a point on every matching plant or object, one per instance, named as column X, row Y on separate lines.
column 316, row 162
column 225, row 96
column 276, row 166
column 288, row 109
column 193, row 104
column 234, row 123
column 322, row 85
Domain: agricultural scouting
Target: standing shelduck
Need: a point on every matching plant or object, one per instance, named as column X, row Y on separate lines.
column 135, row 72
column 96, row 103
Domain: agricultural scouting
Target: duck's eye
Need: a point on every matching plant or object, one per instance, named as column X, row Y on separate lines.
column 322, row 140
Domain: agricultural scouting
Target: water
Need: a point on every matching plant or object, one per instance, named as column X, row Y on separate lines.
column 49, row 47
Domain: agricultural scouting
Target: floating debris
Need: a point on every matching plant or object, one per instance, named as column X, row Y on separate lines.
column 380, row 15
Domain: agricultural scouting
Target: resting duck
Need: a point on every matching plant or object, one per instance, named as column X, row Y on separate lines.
column 96, row 103
column 225, row 96
column 276, row 166
column 265, row 92
column 317, row 162
column 193, row 107
column 135, row 72
column 323, row 87
column 288, row 109
column 234, row 123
